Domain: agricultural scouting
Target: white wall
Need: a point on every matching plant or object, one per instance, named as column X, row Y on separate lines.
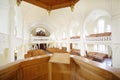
column 116, row 32
column 4, row 16
column 4, row 27
column 4, row 19
column 11, row 31
column 62, row 20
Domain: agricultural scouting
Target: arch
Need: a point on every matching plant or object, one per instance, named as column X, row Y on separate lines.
column 94, row 16
column 43, row 23
column 34, row 27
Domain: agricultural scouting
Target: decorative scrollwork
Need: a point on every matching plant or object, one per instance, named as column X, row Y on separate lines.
column 19, row 2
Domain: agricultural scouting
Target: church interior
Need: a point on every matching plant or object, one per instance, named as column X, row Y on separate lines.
column 59, row 40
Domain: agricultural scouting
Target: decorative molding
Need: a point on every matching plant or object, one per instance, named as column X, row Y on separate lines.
column 19, row 2
column 116, row 17
column 38, row 39
column 99, row 42
column 117, row 44
column 106, row 40
column 116, row 11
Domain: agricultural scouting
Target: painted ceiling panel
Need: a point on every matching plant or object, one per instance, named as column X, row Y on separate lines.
column 52, row 4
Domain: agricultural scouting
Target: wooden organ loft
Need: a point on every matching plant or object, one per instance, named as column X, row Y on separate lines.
column 42, row 41
column 42, row 45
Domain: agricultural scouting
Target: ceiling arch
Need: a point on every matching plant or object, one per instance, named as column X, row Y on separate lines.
column 63, row 20
column 35, row 26
column 93, row 16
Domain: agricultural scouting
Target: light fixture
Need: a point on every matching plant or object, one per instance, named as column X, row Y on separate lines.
column 19, row 2
column 72, row 7
column 49, row 11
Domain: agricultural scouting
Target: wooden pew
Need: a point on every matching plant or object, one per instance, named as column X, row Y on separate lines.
column 56, row 50
column 32, row 53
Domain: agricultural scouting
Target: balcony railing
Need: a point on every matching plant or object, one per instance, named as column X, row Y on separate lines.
column 104, row 38
column 99, row 40
column 40, row 39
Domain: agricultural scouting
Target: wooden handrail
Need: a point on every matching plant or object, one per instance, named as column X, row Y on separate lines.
column 37, row 68
column 94, row 70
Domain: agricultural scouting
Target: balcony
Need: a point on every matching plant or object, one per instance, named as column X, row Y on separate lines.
column 40, row 39
column 98, row 40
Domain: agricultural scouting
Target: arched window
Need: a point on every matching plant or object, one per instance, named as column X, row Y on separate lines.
column 108, row 28
column 101, row 25
column 101, row 29
column 64, row 35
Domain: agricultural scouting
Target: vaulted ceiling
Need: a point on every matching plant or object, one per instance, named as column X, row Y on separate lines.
column 62, row 20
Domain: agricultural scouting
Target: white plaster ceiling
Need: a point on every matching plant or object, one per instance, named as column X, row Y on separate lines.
column 63, row 20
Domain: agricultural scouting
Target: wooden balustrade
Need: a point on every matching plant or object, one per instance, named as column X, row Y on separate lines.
column 29, row 69
column 38, row 68
column 12, row 72
column 89, row 70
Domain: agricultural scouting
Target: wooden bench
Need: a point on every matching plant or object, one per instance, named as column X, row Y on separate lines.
column 97, row 56
column 32, row 53
column 75, row 52
column 56, row 50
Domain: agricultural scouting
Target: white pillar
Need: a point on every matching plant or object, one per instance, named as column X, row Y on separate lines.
column 116, row 33
column 68, row 47
column 23, row 39
column 116, row 42
column 19, row 23
column 12, row 30
column 82, row 45
column 82, row 41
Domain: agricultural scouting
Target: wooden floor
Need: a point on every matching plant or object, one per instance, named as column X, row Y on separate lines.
column 107, row 62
